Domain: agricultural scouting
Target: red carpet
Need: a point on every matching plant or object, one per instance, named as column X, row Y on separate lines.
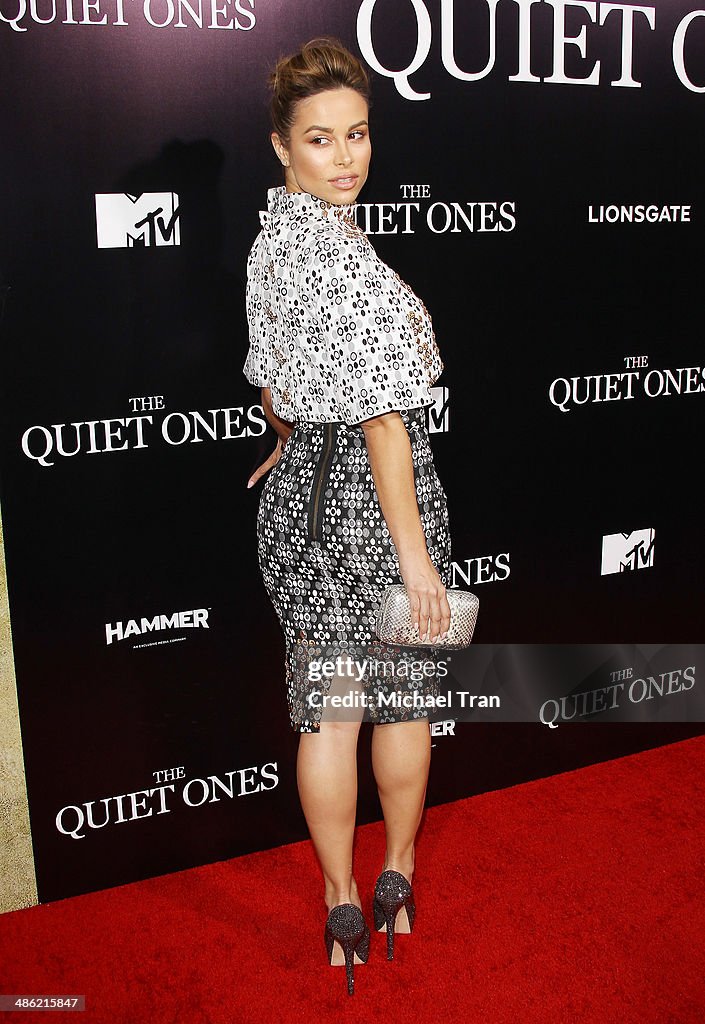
column 577, row 898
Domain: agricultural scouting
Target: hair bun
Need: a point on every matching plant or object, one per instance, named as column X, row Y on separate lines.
column 322, row 63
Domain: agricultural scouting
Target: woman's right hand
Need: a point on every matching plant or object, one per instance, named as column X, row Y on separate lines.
column 427, row 596
column 268, row 464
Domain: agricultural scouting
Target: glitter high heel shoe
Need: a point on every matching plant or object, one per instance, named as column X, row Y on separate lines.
column 393, row 905
column 347, row 938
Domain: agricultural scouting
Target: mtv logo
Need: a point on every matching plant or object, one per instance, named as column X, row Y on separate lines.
column 624, row 551
column 124, row 220
column 438, row 413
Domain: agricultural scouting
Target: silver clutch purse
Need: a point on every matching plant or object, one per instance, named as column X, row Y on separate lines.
column 394, row 626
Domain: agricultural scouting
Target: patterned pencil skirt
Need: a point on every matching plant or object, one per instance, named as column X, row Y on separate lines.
column 325, row 554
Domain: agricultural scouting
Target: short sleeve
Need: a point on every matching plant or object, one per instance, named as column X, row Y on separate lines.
column 257, row 368
column 381, row 353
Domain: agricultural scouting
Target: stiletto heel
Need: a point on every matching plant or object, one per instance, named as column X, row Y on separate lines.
column 393, row 906
column 346, row 926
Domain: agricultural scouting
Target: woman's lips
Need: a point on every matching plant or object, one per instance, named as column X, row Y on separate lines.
column 345, row 182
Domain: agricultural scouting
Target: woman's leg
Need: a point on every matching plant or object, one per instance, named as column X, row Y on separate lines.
column 326, row 772
column 401, row 757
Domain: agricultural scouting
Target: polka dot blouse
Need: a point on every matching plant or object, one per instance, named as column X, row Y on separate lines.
column 334, row 332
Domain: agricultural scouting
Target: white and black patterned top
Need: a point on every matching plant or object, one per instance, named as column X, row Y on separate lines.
column 334, row 332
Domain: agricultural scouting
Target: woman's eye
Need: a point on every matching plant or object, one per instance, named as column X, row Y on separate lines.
column 321, row 138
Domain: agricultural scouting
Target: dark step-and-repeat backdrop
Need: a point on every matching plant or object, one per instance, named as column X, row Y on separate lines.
column 537, row 178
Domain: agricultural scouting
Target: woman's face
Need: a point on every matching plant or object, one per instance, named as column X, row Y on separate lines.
column 329, row 149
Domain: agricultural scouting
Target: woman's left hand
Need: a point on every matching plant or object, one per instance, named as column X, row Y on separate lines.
column 268, row 464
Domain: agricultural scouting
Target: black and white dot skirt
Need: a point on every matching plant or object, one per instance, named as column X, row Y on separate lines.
column 326, row 554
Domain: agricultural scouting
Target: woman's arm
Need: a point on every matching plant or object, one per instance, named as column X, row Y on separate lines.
column 392, row 468
column 283, row 429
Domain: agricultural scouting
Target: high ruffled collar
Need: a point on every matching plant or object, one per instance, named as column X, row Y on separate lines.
column 304, row 206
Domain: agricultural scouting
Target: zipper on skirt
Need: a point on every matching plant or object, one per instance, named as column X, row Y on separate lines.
column 315, row 514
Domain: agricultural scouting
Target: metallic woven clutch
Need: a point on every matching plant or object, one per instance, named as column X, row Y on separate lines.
column 393, row 623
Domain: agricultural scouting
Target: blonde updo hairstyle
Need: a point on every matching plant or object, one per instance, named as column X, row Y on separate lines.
column 321, row 63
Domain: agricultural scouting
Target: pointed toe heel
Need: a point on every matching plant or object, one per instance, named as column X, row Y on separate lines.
column 347, row 938
column 393, row 906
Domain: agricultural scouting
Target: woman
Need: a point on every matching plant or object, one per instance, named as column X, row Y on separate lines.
column 345, row 355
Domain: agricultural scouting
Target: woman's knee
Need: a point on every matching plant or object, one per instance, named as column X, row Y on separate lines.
column 341, row 731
